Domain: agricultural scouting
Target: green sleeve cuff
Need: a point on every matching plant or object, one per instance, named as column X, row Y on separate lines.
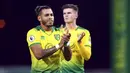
column 87, row 45
column 34, row 44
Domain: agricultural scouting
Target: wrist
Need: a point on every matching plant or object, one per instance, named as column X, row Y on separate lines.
column 67, row 44
column 81, row 44
column 57, row 46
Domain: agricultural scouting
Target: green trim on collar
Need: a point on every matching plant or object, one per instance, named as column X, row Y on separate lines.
column 80, row 28
column 40, row 28
column 34, row 44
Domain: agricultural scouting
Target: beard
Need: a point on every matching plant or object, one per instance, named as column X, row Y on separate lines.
column 48, row 23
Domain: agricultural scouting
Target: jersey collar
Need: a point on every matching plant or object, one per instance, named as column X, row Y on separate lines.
column 53, row 28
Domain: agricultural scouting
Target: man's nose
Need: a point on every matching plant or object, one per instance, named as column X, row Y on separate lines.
column 66, row 15
column 50, row 16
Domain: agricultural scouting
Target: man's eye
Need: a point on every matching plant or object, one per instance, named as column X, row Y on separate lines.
column 51, row 14
column 46, row 14
column 69, row 13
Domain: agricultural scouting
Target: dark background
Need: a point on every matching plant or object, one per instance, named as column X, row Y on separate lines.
column 19, row 16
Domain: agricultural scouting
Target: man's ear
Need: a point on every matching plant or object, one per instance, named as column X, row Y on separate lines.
column 76, row 15
column 39, row 18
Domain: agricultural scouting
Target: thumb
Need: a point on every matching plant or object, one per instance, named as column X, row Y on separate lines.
column 81, row 36
column 67, row 31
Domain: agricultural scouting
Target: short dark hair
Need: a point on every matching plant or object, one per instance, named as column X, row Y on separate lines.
column 75, row 7
column 38, row 9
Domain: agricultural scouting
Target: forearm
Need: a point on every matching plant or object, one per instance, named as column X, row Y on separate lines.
column 40, row 53
column 47, row 52
column 67, row 53
column 85, row 51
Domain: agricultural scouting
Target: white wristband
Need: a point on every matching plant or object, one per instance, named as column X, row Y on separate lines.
column 57, row 46
column 68, row 44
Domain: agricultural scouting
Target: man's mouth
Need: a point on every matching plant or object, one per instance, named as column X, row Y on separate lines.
column 50, row 20
column 66, row 18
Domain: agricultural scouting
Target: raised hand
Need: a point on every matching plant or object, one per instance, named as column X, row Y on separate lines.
column 81, row 36
column 61, row 27
column 66, row 35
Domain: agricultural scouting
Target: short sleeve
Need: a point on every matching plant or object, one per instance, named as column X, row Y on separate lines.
column 33, row 37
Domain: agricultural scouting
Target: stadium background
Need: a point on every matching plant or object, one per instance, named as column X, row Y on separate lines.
column 106, row 20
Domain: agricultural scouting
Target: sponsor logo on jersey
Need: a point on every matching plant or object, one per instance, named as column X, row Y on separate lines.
column 42, row 37
column 48, row 45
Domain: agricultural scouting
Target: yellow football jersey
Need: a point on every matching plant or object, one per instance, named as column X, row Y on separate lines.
column 76, row 64
column 47, row 40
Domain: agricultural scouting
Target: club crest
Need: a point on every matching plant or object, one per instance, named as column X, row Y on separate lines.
column 57, row 37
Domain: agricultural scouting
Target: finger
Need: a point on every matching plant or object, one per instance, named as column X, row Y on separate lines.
column 65, row 36
column 65, row 28
column 81, row 36
column 62, row 39
column 61, row 27
column 66, row 39
column 68, row 35
column 67, row 31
